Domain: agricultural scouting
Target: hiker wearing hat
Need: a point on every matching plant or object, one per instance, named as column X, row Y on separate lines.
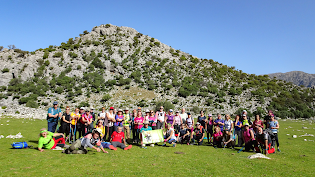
column 199, row 134
column 147, row 115
column 238, row 130
column 119, row 118
column 101, row 117
column 110, row 119
column 169, row 119
column 245, row 120
column 244, row 113
column 126, row 124
column 273, row 125
column 87, row 121
column 160, row 116
column 145, row 127
column 248, row 137
column 209, row 127
column 75, row 116
column 177, row 122
column 54, row 114
column 117, row 138
column 49, row 140
column 90, row 140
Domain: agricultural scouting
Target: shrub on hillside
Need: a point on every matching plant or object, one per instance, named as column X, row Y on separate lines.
column 5, row 70
column 166, row 104
column 105, row 98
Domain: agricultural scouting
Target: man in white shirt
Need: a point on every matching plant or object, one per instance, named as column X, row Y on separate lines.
column 184, row 116
column 160, row 116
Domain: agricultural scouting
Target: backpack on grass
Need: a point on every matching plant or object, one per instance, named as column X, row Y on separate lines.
column 19, row 145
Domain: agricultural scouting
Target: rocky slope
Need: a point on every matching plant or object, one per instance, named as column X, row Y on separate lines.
column 118, row 66
column 296, row 77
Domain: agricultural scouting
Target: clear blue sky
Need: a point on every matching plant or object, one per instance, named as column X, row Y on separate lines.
column 258, row 37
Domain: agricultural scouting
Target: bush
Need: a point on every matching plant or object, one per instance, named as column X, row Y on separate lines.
column 57, row 54
column 31, row 104
column 73, row 55
column 105, row 98
column 5, row 70
column 98, row 63
column 196, row 110
column 78, row 67
column 3, row 107
column 166, row 104
column 84, row 104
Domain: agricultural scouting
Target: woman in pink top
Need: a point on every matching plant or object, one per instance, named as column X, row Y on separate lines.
column 152, row 120
column 217, row 137
column 138, row 121
column 248, row 138
column 86, row 120
column 257, row 123
column 177, row 122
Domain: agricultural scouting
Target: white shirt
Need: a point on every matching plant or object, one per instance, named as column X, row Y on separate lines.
column 109, row 123
column 169, row 131
column 228, row 124
column 160, row 116
column 184, row 117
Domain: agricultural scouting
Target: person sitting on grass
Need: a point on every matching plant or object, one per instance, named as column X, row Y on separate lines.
column 248, row 138
column 200, row 134
column 116, row 140
column 47, row 141
column 145, row 127
column 217, row 137
column 228, row 139
column 184, row 134
column 90, row 140
column 169, row 136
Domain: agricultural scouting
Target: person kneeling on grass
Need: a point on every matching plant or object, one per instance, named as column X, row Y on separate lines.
column 228, row 139
column 116, row 140
column 145, row 127
column 217, row 137
column 263, row 140
column 200, row 134
column 169, row 136
column 89, row 140
column 184, row 134
column 47, row 141
column 248, row 138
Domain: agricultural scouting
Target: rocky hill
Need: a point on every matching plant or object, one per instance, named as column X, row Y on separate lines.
column 296, row 77
column 120, row 67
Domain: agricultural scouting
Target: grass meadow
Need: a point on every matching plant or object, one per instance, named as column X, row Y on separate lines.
column 296, row 158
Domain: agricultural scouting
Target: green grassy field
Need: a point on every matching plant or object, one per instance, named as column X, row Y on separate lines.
column 296, row 159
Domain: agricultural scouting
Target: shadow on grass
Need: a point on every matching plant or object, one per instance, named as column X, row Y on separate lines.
column 33, row 141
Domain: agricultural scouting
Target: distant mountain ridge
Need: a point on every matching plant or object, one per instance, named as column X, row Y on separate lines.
column 296, row 77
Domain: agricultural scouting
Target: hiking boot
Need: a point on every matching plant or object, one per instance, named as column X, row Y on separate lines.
column 143, row 147
column 164, row 145
column 278, row 150
column 174, row 145
column 67, row 151
column 66, row 146
column 112, row 147
column 129, row 147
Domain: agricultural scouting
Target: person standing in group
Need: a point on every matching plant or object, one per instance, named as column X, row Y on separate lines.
column 274, row 126
column 257, row 123
column 126, row 124
column 190, row 125
column 248, row 118
column 110, row 119
column 93, row 115
column 169, row 119
column 209, row 128
column 238, row 130
column 138, row 125
column 183, row 115
column 219, row 122
column 160, row 116
column 133, row 116
column 228, row 123
column 245, row 120
column 152, row 120
column 268, row 118
column 147, row 115
column 119, row 119
column 54, row 113
column 80, row 126
column 86, row 121
column 177, row 122
column 75, row 116
column 202, row 119
column 65, row 122
column 101, row 117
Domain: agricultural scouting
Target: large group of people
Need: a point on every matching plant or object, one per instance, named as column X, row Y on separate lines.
column 114, row 128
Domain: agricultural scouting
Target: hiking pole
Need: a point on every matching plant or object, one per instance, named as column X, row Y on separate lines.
column 240, row 149
column 224, row 146
column 70, row 133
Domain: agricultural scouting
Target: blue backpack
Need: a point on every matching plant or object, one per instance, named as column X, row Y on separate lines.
column 19, row 145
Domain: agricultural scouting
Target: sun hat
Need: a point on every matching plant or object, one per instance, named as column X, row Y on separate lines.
column 139, row 108
column 210, row 115
column 82, row 108
column 188, row 113
column 243, row 115
column 198, row 123
column 246, row 124
column 55, row 102
column 97, row 130
column 92, row 108
column 111, row 108
column 171, row 110
column 147, row 110
column 177, row 111
column 244, row 111
column 146, row 122
column 120, row 110
column 126, row 109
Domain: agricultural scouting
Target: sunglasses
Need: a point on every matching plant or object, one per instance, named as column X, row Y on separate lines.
column 67, row 109
column 151, row 112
